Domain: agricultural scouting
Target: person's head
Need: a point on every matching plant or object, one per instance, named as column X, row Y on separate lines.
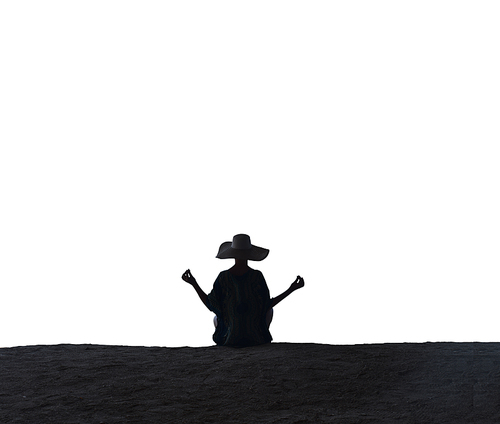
column 241, row 248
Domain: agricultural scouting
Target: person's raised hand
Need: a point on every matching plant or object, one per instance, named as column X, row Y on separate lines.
column 188, row 277
column 297, row 284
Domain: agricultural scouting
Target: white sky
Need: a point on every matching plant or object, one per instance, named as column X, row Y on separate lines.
column 358, row 141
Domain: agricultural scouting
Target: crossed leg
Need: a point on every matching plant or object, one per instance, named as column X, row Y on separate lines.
column 269, row 318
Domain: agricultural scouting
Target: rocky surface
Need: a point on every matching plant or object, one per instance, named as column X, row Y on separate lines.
column 274, row 383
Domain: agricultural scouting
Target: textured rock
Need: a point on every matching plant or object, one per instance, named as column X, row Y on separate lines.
column 279, row 382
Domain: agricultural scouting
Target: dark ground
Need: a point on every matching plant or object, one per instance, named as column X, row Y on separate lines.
column 275, row 383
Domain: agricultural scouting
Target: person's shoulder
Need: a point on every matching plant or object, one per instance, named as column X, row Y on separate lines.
column 221, row 280
column 257, row 273
column 223, row 275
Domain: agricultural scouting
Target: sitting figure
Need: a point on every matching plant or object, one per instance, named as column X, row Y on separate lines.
column 240, row 296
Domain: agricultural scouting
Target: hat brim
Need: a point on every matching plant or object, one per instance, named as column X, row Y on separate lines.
column 255, row 253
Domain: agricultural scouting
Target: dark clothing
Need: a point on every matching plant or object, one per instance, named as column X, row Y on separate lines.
column 241, row 304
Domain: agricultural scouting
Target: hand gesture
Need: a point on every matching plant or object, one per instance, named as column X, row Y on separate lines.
column 188, row 277
column 297, row 284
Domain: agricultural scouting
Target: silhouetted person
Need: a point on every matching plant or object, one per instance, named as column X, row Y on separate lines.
column 240, row 296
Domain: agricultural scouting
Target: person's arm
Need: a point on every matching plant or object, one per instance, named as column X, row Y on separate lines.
column 188, row 278
column 297, row 284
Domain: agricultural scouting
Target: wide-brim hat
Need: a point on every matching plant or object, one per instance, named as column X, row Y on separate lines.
column 241, row 248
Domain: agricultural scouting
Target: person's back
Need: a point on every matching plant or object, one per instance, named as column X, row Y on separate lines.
column 241, row 303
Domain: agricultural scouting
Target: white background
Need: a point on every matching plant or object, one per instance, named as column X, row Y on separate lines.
column 358, row 141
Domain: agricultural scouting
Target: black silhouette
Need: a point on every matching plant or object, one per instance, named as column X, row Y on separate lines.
column 240, row 296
